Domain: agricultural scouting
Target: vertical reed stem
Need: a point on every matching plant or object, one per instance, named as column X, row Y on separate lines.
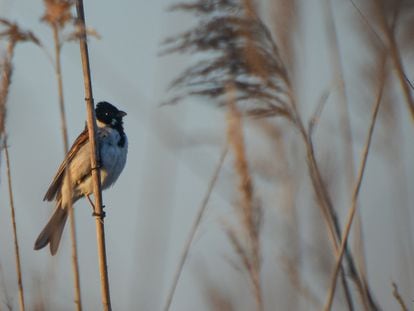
column 13, row 218
column 357, row 187
column 194, row 228
column 58, row 72
column 95, row 159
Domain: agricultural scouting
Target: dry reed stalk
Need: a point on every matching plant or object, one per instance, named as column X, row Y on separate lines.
column 349, row 165
column 396, row 57
column 398, row 297
column 58, row 72
column 96, row 178
column 194, row 228
column 383, row 45
column 247, row 211
column 14, row 35
column 245, row 48
column 57, row 16
column 326, row 206
column 344, row 118
column 13, row 219
column 328, row 212
column 357, row 187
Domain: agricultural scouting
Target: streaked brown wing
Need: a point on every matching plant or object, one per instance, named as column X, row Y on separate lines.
column 58, row 179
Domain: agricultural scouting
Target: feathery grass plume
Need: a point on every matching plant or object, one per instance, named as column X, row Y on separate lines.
column 58, row 15
column 238, row 54
column 13, row 34
column 241, row 71
column 237, row 48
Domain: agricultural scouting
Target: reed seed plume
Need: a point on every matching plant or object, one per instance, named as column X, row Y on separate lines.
column 237, row 48
column 13, row 34
column 241, row 56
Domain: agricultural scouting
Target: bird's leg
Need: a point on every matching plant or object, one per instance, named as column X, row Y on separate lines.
column 102, row 216
column 90, row 201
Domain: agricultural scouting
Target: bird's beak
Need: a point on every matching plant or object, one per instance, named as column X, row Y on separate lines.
column 121, row 113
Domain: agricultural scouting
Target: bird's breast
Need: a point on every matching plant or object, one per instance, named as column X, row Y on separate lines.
column 113, row 157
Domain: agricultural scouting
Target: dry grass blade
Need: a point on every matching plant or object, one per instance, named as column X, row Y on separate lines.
column 396, row 57
column 58, row 15
column 13, row 219
column 398, row 297
column 96, row 178
column 194, row 228
column 357, row 188
column 345, row 123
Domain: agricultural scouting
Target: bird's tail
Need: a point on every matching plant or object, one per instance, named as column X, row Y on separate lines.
column 52, row 232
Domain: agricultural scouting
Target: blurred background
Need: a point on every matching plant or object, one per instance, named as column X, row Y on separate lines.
column 330, row 49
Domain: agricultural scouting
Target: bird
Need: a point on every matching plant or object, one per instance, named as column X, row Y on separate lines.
column 113, row 149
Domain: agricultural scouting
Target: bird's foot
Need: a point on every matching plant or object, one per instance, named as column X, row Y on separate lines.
column 100, row 215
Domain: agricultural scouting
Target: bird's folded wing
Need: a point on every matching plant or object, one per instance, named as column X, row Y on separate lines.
column 58, row 179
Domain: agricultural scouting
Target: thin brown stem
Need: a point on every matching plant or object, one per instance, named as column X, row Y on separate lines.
column 398, row 297
column 58, row 72
column 325, row 204
column 357, row 187
column 13, row 219
column 194, row 228
column 4, row 91
column 337, row 68
column 95, row 159
column 396, row 58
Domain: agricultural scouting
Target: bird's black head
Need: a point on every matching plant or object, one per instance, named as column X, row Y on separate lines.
column 109, row 114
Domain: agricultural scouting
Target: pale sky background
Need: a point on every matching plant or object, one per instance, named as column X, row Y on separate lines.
column 172, row 154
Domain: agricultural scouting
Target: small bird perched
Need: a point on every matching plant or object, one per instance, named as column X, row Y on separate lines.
column 113, row 147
